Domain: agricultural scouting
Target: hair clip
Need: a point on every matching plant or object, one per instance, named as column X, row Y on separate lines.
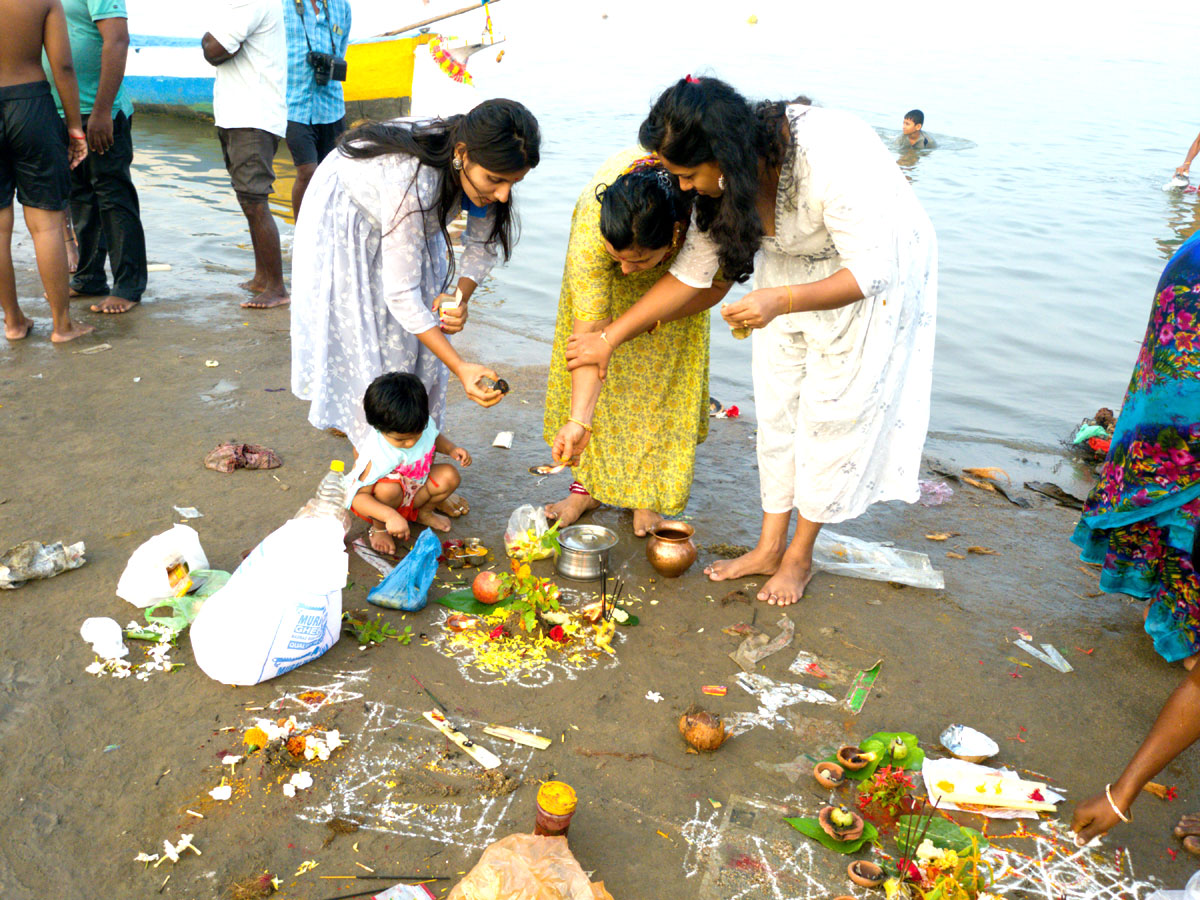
column 691, row 79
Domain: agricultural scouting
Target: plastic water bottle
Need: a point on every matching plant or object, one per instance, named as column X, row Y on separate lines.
column 330, row 499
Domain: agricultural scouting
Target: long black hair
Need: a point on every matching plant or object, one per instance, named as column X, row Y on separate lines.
column 641, row 208
column 500, row 135
column 700, row 120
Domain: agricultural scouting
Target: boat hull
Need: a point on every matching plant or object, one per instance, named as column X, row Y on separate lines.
column 379, row 85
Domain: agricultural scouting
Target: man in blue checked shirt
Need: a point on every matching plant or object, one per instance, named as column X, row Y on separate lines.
column 317, row 34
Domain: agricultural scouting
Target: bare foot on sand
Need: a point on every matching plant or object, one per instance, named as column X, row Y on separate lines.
column 787, row 585
column 759, row 561
column 253, row 285
column 454, row 506
column 18, row 330
column 568, row 510
column 382, row 542
column 113, row 306
column 1189, row 829
column 434, row 520
column 645, row 521
column 269, row 299
column 78, row 329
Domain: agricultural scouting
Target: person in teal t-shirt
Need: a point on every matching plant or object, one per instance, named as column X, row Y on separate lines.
column 104, row 201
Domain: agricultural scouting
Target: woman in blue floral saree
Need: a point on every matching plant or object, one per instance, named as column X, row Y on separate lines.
column 1142, row 518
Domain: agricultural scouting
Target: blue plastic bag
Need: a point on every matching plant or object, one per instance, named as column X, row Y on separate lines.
column 407, row 587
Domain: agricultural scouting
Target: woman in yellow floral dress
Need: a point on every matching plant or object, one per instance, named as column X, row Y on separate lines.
column 636, row 445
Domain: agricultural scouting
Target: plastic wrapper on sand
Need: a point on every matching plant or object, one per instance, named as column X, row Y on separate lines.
column 528, row 867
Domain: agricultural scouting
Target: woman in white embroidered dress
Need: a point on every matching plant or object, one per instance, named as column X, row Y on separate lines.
column 842, row 310
column 372, row 263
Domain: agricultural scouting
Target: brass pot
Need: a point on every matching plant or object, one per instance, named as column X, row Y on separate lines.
column 670, row 548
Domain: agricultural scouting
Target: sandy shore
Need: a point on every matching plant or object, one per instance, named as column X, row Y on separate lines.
column 98, row 447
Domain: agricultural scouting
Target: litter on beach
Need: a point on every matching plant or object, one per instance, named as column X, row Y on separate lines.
column 503, row 440
column 1048, row 654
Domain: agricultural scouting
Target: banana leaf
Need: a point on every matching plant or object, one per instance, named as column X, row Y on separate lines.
column 878, row 744
column 464, row 601
column 812, row 828
column 943, row 833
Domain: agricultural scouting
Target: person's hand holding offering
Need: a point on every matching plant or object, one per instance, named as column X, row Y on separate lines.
column 470, row 374
column 569, row 443
column 453, row 318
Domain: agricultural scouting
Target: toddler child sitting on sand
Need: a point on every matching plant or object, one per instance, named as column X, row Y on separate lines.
column 397, row 481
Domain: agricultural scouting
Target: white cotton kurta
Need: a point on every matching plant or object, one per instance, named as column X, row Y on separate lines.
column 842, row 395
column 367, row 264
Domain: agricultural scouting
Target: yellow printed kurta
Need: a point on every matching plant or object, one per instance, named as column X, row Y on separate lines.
column 653, row 410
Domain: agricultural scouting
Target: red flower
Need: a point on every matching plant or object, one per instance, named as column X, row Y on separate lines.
column 732, row 412
column 1172, row 793
column 1037, row 796
column 496, row 633
column 557, row 634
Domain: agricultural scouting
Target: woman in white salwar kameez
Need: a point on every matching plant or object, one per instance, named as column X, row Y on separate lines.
column 843, row 306
column 371, row 258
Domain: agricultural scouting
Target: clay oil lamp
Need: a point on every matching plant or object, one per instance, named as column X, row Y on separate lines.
column 840, row 823
column 829, row 775
column 865, row 873
column 853, row 758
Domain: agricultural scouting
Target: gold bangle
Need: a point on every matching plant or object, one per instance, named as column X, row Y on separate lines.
column 586, row 427
column 789, row 287
column 1120, row 815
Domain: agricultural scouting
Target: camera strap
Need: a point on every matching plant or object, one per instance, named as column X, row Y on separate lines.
column 328, row 24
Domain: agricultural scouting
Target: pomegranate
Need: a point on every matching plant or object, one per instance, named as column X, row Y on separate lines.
column 487, row 587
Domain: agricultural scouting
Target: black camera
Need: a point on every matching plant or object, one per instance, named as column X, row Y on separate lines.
column 326, row 67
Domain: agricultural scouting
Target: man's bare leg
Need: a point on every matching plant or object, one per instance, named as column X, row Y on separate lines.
column 16, row 324
column 304, row 174
column 787, row 585
column 268, row 259
column 764, row 559
column 46, row 228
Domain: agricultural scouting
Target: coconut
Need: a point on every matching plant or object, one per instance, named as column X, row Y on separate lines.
column 851, row 832
column 829, row 775
column 701, row 729
column 865, row 873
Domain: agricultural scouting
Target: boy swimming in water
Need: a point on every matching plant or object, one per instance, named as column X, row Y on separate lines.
column 394, row 471
column 913, row 132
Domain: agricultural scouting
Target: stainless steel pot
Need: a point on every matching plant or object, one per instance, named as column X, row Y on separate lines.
column 584, row 554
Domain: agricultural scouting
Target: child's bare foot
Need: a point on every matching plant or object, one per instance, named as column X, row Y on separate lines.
column 645, row 521
column 268, row 299
column 434, row 520
column 383, row 542
column 454, row 506
column 19, row 329
column 113, row 306
column 78, row 329
column 567, row 510
column 759, row 561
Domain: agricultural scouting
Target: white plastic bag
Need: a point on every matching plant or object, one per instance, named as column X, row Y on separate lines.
column 840, row 554
column 281, row 608
column 145, row 577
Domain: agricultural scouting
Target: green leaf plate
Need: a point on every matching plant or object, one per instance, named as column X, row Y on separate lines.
column 812, row 828
column 944, row 833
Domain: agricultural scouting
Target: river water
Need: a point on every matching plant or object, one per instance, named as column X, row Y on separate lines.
column 1045, row 192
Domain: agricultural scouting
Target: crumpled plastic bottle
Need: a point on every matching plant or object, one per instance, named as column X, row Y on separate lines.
column 33, row 559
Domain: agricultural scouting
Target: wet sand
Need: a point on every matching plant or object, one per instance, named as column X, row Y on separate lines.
column 99, row 447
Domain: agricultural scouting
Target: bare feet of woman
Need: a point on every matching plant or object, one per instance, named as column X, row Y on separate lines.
column 454, row 506
column 382, row 542
column 759, row 561
column 77, row 329
column 268, row 299
column 19, row 329
column 787, row 585
column 434, row 520
column 113, row 306
column 1189, row 829
column 645, row 521
column 570, row 508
